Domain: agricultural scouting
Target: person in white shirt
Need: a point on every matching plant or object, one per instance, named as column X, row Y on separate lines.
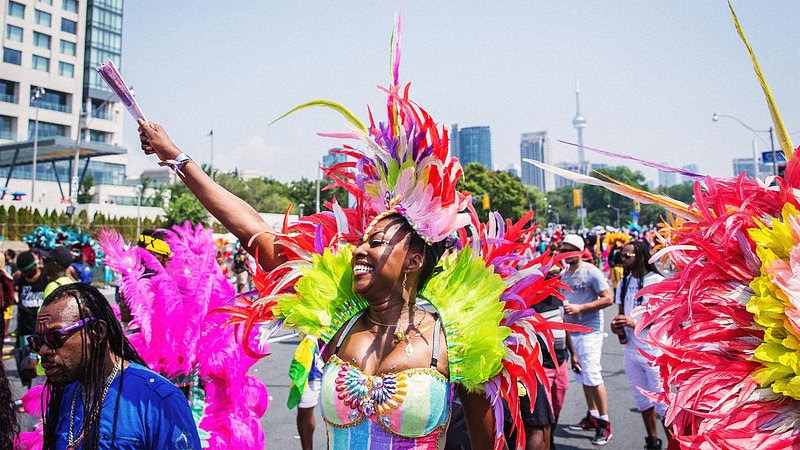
column 639, row 273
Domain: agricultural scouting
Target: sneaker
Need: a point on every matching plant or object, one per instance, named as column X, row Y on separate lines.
column 652, row 443
column 602, row 435
column 587, row 423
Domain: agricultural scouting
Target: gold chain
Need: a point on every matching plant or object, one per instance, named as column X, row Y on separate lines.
column 94, row 414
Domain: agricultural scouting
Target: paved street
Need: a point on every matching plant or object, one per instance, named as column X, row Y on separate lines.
column 279, row 424
column 280, row 429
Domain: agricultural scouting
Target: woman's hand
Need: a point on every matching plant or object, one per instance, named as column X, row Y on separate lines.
column 155, row 140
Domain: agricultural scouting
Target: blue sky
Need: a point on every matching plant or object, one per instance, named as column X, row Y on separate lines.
column 651, row 74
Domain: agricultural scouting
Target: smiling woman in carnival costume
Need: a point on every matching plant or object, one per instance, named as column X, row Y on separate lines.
column 412, row 295
column 728, row 323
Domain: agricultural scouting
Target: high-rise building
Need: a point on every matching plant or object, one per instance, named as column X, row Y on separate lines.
column 48, row 84
column 330, row 159
column 474, row 144
column 579, row 122
column 747, row 165
column 575, row 167
column 667, row 179
column 454, row 142
column 536, row 146
column 691, row 168
column 513, row 170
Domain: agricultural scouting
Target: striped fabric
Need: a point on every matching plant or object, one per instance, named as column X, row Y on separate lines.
column 416, row 423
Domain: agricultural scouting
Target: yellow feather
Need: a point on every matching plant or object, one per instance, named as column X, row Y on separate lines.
column 780, row 129
column 338, row 107
column 670, row 204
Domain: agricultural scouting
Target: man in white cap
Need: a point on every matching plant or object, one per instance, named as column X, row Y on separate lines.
column 583, row 306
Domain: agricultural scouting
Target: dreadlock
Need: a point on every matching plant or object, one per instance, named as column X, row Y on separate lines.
column 8, row 413
column 91, row 303
column 641, row 264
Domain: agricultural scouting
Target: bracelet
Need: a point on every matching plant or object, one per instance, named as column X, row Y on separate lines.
column 181, row 161
column 177, row 164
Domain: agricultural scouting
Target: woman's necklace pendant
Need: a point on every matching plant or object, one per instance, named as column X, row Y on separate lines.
column 399, row 336
column 409, row 349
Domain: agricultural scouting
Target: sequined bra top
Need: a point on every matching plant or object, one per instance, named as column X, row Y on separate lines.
column 405, row 409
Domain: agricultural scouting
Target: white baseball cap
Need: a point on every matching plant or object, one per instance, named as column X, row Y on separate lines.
column 575, row 241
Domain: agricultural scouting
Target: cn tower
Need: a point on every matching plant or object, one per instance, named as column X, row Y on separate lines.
column 579, row 122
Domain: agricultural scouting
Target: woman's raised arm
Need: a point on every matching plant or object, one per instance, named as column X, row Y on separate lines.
column 232, row 212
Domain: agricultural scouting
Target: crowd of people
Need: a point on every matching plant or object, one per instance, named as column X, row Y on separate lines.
column 422, row 326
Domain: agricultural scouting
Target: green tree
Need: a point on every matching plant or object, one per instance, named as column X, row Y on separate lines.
column 507, row 194
column 12, row 223
column 85, row 191
column 305, row 191
column 37, row 218
column 183, row 207
column 683, row 192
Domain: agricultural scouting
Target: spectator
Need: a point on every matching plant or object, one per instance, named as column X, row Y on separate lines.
column 7, row 301
column 55, row 263
column 11, row 261
column 240, row 269
column 30, row 282
column 552, row 309
column 583, row 306
column 80, row 271
column 639, row 273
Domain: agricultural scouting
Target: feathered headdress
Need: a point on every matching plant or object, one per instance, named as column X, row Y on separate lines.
column 402, row 166
column 484, row 290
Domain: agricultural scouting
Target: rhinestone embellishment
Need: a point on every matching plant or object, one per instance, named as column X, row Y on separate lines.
column 370, row 394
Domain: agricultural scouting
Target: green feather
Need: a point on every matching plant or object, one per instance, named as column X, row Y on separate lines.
column 466, row 293
column 338, row 107
column 324, row 298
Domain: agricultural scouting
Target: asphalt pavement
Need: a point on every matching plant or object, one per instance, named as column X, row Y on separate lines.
column 281, row 431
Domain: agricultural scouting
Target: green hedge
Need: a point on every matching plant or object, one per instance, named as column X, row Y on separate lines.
column 17, row 222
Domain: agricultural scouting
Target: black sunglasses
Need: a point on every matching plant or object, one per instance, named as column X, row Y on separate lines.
column 627, row 255
column 55, row 339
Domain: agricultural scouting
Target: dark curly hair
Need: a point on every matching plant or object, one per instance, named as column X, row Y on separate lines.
column 8, row 413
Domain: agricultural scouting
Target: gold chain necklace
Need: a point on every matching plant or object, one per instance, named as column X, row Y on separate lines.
column 72, row 443
column 400, row 335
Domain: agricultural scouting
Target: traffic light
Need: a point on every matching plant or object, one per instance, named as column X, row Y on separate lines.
column 637, row 206
column 487, row 203
column 576, row 198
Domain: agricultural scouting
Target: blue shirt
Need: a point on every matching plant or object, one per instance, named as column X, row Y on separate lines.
column 153, row 414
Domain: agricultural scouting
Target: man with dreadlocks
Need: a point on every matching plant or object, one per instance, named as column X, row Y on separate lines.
column 642, row 376
column 99, row 393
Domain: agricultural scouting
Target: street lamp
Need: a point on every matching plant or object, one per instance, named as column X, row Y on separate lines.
column 38, row 92
column 83, row 124
column 716, row 118
column 301, row 207
column 616, row 210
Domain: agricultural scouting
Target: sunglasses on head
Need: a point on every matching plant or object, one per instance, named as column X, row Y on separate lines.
column 55, row 339
column 627, row 255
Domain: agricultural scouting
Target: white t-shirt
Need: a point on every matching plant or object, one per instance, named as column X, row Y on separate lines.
column 630, row 300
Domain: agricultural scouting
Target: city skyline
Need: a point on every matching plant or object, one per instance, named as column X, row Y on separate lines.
column 650, row 76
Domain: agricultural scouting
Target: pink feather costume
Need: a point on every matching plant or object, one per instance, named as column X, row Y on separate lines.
column 179, row 339
column 728, row 322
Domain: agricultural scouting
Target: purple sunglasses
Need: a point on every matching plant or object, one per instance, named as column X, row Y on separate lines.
column 55, row 339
